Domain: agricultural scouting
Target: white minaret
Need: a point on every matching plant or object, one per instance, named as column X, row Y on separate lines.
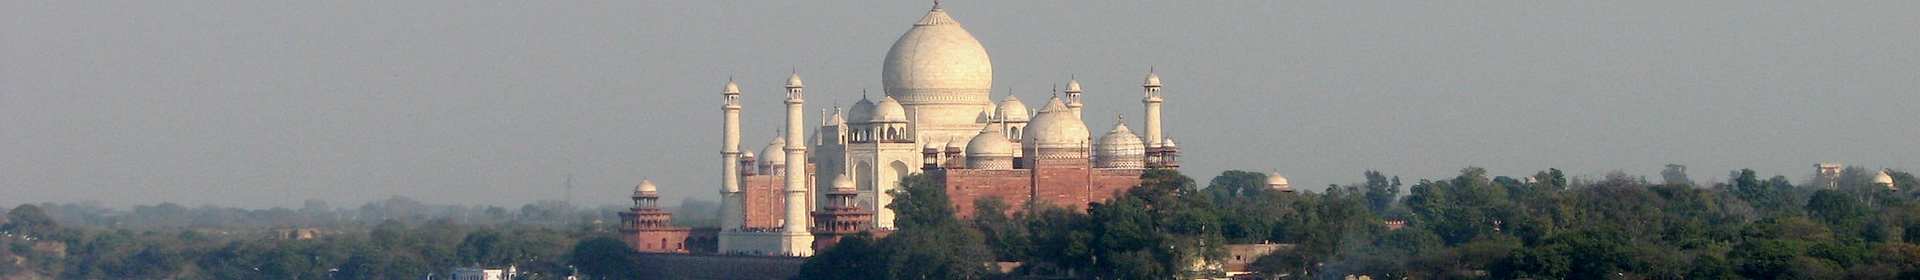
column 1152, row 100
column 794, row 239
column 1073, row 96
column 732, row 217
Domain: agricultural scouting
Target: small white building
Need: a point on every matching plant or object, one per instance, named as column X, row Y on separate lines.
column 480, row 273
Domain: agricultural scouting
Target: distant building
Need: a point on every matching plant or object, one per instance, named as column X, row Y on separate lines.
column 1884, row 180
column 647, row 228
column 479, row 273
column 936, row 117
column 1395, row 224
column 1278, row 183
column 296, row 233
column 1827, row 174
column 1240, row 257
column 841, row 217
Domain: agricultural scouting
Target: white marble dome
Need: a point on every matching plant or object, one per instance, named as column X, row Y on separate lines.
column 1882, row 178
column 1153, row 79
column 773, row 154
column 1055, row 127
column 1120, row 148
column 1276, row 181
column 646, row 186
column 731, row 87
column 1073, row 85
column 1012, row 110
column 843, row 183
column 861, row 112
column 990, row 143
column 889, row 110
column 794, row 81
column 936, row 58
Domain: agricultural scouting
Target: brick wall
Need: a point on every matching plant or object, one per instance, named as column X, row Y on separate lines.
column 964, row 186
column 765, row 200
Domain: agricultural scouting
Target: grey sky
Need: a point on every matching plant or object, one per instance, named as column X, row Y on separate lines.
column 250, row 103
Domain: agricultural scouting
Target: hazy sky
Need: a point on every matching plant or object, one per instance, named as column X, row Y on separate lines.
column 266, row 103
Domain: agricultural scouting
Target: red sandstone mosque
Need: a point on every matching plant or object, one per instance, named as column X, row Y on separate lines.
column 937, row 118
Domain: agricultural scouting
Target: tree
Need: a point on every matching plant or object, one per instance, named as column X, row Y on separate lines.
column 1236, row 183
column 605, row 258
column 1381, row 192
column 1007, row 237
column 29, row 219
column 854, row 258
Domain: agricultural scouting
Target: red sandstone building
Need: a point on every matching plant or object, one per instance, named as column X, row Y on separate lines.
column 647, row 228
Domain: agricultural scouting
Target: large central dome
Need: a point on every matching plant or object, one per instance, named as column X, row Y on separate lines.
column 943, row 76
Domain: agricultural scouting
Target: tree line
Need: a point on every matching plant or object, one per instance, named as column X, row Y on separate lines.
column 1470, row 226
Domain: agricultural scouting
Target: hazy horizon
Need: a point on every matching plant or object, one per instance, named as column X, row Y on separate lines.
column 258, row 104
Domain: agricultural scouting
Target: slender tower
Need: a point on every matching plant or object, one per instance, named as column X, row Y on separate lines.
column 794, row 239
column 1073, row 96
column 1152, row 100
column 731, row 213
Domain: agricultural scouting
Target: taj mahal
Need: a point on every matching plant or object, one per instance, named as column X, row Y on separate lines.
column 936, row 117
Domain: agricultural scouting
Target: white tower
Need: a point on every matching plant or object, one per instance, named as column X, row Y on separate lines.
column 731, row 215
column 1073, row 97
column 1152, row 100
column 794, row 239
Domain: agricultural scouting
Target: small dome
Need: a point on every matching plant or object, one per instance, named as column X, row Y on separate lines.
column 794, row 81
column 1055, row 127
column 889, row 110
column 933, row 146
column 1274, row 180
column 862, row 111
column 1120, row 135
column 843, row 183
column 836, row 119
column 954, row 144
column 646, row 186
column 773, row 153
column 990, row 143
column 1168, row 143
column 1883, row 178
column 1012, row 110
column 1120, row 148
column 1073, row 85
column 747, row 154
column 1153, row 79
column 730, row 88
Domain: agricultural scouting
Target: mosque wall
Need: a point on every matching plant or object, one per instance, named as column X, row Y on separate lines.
column 964, row 186
column 765, row 197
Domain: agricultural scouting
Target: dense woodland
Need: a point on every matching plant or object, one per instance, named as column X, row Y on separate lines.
column 1473, row 225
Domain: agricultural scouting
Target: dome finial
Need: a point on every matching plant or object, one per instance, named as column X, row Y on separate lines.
column 936, row 4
